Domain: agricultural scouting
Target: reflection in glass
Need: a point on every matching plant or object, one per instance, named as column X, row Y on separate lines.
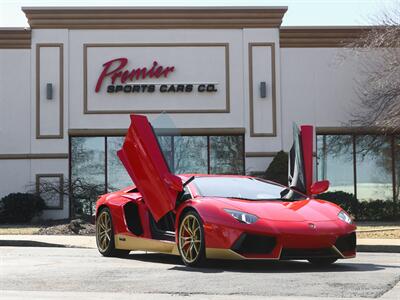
column 374, row 168
column 166, row 147
column 226, row 154
column 397, row 170
column 335, row 161
column 190, row 154
column 117, row 176
column 87, row 172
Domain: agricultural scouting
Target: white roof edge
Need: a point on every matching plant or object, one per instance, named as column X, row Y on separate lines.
column 15, row 28
column 329, row 27
column 149, row 7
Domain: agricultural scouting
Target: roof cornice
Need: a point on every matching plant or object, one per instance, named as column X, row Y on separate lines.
column 15, row 38
column 320, row 37
column 154, row 17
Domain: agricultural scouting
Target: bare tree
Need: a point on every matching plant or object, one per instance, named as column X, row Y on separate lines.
column 82, row 193
column 379, row 86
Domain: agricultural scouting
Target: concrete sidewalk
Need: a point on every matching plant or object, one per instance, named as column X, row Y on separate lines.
column 80, row 241
column 378, row 245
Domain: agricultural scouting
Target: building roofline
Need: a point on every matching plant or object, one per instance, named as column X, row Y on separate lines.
column 140, row 17
column 320, row 36
column 15, row 38
column 236, row 7
column 339, row 27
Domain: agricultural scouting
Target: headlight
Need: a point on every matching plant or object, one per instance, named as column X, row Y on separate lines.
column 345, row 217
column 242, row 216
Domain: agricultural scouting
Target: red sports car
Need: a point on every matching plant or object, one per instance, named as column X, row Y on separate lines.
column 203, row 217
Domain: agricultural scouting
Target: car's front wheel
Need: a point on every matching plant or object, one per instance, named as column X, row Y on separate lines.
column 323, row 261
column 191, row 243
column 105, row 235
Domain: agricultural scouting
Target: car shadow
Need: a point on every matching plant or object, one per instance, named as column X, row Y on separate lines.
column 220, row 266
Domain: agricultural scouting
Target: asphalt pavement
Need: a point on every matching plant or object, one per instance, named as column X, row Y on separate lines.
column 72, row 273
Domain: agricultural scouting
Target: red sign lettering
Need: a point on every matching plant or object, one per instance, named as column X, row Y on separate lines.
column 114, row 69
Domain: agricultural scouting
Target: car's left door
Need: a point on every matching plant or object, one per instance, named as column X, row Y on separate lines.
column 143, row 159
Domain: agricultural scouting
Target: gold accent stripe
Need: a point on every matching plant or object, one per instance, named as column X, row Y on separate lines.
column 217, row 253
column 128, row 242
column 157, row 18
column 34, row 156
column 338, row 252
column 15, row 38
column 319, row 37
column 220, row 253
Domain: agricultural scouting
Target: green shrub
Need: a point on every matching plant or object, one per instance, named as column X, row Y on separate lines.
column 20, row 207
column 278, row 169
column 345, row 200
column 377, row 210
column 374, row 210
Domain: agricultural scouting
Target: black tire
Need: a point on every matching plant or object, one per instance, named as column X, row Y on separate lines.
column 109, row 250
column 200, row 259
column 322, row 261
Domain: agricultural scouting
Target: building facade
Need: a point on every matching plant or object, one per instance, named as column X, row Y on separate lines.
column 221, row 85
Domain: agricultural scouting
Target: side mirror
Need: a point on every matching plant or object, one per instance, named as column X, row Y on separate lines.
column 319, row 187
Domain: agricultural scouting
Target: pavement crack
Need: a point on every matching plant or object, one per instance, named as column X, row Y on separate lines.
column 388, row 287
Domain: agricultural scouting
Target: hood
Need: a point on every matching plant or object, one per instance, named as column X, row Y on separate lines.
column 297, row 211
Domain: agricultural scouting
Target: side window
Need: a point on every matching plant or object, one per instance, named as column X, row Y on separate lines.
column 186, row 195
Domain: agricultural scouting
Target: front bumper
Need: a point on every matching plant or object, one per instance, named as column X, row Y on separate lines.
column 281, row 240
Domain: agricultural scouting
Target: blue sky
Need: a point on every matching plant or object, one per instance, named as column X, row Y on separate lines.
column 300, row 12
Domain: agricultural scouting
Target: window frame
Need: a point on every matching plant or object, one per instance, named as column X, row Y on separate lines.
column 354, row 134
column 106, row 136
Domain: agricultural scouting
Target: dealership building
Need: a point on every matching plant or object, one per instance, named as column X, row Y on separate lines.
column 221, row 85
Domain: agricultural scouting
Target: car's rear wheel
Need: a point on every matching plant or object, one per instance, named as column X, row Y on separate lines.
column 105, row 235
column 322, row 261
column 191, row 243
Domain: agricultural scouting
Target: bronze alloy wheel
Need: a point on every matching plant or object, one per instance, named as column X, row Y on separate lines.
column 103, row 231
column 191, row 239
column 105, row 235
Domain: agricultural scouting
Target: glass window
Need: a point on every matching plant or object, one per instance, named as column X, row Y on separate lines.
column 226, row 155
column 166, row 147
column 117, row 176
column 335, row 161
column 190, row 154
column 397, row 169
column 374, row 168
column 183, row 154
column 87, row 172
column 243, row 188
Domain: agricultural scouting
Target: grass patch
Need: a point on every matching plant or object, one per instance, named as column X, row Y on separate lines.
column 19, row 229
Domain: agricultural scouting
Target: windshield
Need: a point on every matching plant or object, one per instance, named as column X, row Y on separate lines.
column 244, row 188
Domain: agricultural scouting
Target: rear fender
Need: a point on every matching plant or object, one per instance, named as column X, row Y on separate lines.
column 115, row 203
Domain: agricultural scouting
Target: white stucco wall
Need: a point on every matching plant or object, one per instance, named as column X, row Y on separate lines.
column 318, row 88
column 15, row 106
column 18, row 127
column 15, row 128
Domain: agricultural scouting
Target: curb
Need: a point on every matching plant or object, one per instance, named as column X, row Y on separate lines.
column 379, row 248
column 27, row 243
